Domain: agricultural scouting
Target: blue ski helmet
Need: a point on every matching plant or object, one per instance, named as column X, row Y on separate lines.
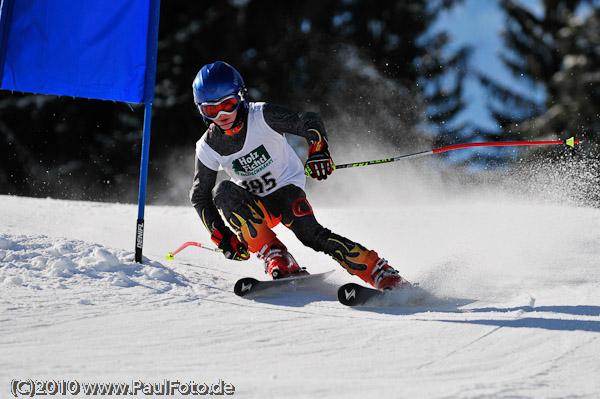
column 217, row 80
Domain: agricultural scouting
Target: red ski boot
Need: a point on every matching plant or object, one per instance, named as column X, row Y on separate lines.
column 385, row 277
column 374, row 270
column 364, row 263
column 368, row 266
column 279, row 263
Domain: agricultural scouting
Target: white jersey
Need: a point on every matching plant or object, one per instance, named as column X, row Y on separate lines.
column 265, row 163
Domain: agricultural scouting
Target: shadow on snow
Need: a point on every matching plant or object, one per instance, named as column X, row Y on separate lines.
column 536, row 322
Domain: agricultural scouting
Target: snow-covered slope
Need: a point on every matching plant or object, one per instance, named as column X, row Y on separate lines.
column 516, row 312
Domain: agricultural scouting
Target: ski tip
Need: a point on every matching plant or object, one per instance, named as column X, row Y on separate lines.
column 170, row 256
column 358, row 295
column 345, row 294
column 244, row 286
column 352, row 294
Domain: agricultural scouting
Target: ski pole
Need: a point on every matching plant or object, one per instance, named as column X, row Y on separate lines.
column 570, row 142
column 171, row 255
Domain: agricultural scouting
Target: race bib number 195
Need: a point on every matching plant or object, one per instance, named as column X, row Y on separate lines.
column 261, row 184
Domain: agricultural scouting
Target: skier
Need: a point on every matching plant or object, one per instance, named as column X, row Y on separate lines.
column 246, row 140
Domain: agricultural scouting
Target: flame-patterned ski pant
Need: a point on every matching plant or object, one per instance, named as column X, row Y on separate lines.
column 253, row 217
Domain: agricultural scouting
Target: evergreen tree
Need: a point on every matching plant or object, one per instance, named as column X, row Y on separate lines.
column 372, row 69
column 363, row 65
column 559, row 51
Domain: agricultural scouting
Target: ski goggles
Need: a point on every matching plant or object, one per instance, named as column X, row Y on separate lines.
column 226, row 105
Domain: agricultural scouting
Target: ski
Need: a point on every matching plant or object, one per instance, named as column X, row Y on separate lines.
column 249, row 286
column 352, row 294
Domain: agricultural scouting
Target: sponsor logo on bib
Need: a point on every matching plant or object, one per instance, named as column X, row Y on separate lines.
column 252, row 163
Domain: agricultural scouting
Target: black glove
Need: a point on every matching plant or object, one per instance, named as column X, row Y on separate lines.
column 318, row 164
column 231, row 246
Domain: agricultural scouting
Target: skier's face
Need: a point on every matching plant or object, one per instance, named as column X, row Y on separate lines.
column 222, row 111
column 225, row 121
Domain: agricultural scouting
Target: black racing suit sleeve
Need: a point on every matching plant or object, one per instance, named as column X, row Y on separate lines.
column 304, row 124
column 202, row 200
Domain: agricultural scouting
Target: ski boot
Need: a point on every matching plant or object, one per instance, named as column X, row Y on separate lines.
column 375, row 270
column 364, row 263
column 385, row 277
column 279, row 263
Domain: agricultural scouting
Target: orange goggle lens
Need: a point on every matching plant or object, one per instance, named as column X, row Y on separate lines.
column 227, row 106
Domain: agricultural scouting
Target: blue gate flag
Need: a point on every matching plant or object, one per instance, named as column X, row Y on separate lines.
column 100, row 49
column 79, row 48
